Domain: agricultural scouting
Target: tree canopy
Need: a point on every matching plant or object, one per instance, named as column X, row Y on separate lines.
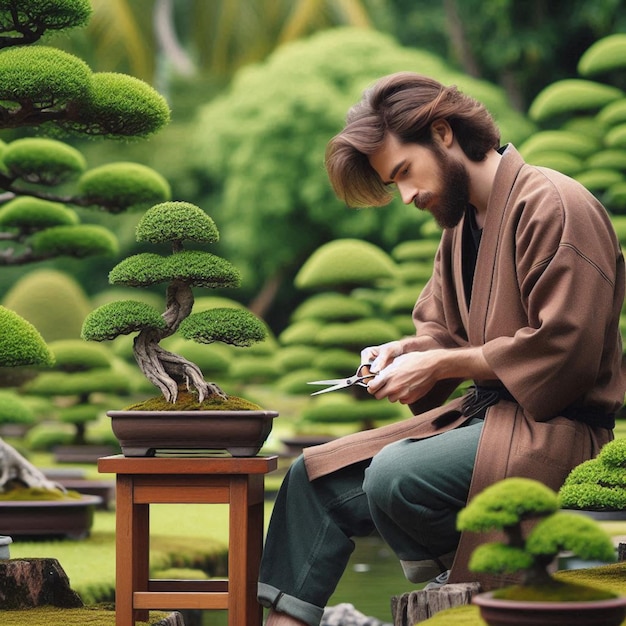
column 259, row 148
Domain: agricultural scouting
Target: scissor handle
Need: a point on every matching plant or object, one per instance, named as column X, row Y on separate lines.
column 363, row 371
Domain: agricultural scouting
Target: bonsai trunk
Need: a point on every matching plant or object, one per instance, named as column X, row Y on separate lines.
column 15, row 468
column 165, row 369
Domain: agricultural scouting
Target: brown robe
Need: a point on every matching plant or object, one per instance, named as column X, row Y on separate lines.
column 546, row 299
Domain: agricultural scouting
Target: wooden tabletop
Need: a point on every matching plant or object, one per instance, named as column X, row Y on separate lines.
column 119, row 464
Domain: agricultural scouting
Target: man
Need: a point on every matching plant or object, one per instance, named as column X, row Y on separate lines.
column 524, row 301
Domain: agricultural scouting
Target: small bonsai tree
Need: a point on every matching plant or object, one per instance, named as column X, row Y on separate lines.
column 510, row 506
column 21, row 346
column 175, row 223
column 598, row 484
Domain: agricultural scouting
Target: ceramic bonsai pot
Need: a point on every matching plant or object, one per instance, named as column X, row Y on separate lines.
column 143, row 433
column 70, row 518
column 606, row 515
column 498, row 612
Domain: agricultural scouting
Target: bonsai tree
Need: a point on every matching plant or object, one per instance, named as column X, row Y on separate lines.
column 21, row 346
column 598, row 484
column 175, row 224
column 44, row 87
column 513, row 504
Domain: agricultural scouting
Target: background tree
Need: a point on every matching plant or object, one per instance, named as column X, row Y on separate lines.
column 81, row 383
column 260, row 158
column 152, row 39
column 583, row 127
column 521, row 46
column 348, row 278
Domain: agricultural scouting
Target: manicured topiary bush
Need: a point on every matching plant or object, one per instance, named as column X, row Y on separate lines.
column 598, row 484
column 82, row 378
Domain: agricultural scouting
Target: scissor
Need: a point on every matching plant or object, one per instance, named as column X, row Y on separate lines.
column 342, row 383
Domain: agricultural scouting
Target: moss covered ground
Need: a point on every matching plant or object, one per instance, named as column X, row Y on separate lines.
column 88, row 616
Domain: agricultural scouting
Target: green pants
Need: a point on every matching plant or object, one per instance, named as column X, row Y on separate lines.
column 410, row 492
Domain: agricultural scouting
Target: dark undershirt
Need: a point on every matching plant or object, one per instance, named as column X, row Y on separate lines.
column 471, row 243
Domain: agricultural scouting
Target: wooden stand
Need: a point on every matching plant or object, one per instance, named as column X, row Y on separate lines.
column 142, row 481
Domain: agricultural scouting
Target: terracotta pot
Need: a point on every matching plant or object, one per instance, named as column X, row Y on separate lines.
column 498, row 612
column 43, row 518
column 142, row 433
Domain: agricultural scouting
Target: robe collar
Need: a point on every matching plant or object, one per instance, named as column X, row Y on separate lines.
column 475, row 318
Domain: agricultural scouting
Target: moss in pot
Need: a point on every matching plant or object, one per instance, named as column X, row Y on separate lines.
column 536, row 531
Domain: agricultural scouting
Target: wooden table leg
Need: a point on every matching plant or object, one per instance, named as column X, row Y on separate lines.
column 254, row 547
column 245, row 536
column 131, row 552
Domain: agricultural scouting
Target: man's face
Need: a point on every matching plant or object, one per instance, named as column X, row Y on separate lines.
column 426, row 176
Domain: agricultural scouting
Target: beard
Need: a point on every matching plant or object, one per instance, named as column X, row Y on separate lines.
column 454, row 197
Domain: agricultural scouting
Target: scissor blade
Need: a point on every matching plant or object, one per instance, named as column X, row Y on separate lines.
column 340, row 385
column 330, row 381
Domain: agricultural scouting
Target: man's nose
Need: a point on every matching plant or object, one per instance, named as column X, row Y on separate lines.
column 407, row 193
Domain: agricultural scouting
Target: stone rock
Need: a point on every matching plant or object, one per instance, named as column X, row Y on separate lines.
column 346, row 615
column 28, row 583
column 173, row 619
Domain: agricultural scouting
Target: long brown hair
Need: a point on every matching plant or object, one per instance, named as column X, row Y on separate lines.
column 404, row 104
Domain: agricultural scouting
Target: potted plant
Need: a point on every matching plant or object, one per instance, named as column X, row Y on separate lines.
column 597, row 487
column 190, row 412
column 30, row 503
column 536, row 532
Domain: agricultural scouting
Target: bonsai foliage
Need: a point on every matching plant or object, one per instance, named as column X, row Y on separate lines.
column 20, row 342
column 598, row 484
column 175, row 224
column 43, row 178
column 510, row 506
column 20, row 345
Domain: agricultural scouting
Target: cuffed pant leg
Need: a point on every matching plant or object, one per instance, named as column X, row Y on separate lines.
column 309, row 543
column 416, row 488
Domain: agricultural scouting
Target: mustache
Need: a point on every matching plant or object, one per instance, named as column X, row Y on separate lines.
column 423, row 200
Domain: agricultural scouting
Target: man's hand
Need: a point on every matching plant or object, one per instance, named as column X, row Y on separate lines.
column 379, row 357
column 408, row 377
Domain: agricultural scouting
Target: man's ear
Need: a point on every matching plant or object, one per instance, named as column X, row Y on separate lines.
column 442, row 132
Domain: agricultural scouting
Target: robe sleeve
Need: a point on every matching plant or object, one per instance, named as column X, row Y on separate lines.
column 567, row 275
